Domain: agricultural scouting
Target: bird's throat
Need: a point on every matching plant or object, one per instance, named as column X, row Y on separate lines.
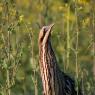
column 47, row 72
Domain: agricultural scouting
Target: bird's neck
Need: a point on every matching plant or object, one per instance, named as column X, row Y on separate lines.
column 47, row 68
column 46, row 53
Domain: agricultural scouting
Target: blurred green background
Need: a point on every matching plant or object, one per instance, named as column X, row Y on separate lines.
column 73, row 40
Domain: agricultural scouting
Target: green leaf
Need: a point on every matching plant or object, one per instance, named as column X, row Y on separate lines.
column 4, row 65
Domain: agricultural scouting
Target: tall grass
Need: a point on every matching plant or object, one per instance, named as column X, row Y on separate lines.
column 18, row 44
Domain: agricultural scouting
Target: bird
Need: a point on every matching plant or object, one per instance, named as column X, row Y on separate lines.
column 54, row 81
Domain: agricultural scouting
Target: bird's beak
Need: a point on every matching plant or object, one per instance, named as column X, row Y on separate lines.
column 47, row 34
column 50, row 26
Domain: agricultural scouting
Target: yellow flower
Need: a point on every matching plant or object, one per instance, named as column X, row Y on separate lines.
column 61, row 8
column 21, row 17
column 1, row 8
column 86, row 21
column 83, row 1
column 1, row 46
column 13, row 12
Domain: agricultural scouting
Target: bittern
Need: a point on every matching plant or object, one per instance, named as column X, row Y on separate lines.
column 55, row 82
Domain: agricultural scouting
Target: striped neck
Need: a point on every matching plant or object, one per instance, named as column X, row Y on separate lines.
column 47, row 68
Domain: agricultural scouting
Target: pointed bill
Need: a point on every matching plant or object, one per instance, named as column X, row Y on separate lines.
column 51, row 25
column 47, row 34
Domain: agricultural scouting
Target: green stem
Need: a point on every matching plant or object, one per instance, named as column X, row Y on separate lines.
column 7, row 71
column 76, row 48
column 8, row 83
column 68, row 38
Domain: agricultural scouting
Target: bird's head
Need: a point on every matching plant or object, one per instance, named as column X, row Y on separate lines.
column 44, row 34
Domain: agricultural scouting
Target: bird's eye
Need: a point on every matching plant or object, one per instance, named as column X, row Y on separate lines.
column 44, row 32
column 44, row 29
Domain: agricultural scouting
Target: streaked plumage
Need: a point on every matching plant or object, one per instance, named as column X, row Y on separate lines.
column 55, row 82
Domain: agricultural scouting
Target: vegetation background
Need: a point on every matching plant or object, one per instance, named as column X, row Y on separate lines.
column 73, row 40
